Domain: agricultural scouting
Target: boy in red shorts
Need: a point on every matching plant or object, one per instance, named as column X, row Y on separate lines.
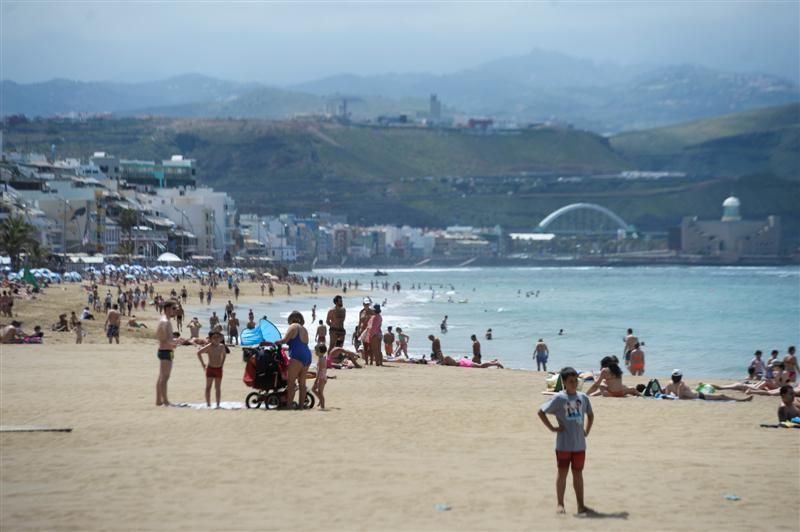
column 216, row 359
column 569, row 406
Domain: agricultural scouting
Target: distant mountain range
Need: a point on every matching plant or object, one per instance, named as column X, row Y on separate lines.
column 539, row 86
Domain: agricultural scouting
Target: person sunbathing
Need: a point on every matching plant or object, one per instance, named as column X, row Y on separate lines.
column 341, row 356
column 774, row 392
column 62, row 325
column 790, row 406
column 779, row 378
column 136, row 324
column 679, row 389
column 602, row 378
column 466, row 362
column 12, row 334
column 612, row 384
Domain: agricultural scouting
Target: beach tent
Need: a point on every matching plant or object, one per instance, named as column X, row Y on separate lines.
column 169, row 257
column 264, row 331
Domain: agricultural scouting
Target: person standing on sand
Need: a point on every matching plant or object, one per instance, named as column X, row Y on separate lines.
column 363, row 318
column 322, row 332
column 194, row 328
column 636, row 366
column 388, row 341
column 540, row 354
column 335, row 322
column 569, row 406
column 216, row 359
column 112, row 323
column 296, row 338
column 371, row 337
column 202, row 295
column 476, row 350
column 322, row 373
column 166, row 351
column 630, row 343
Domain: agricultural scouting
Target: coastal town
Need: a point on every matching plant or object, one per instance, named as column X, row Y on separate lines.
column 105, row 208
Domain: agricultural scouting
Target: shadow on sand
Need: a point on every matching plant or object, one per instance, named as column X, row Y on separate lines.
column 594, row 514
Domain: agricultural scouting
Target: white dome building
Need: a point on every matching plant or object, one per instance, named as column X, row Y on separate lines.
column 731, row 239
column 730, row 209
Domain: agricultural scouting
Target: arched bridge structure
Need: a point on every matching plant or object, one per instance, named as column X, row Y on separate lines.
column 583, row 218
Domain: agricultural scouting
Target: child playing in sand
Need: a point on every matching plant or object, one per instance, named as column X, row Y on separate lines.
column 216, row 359
column 78, row 332
column 322, row 373
column 569, row 406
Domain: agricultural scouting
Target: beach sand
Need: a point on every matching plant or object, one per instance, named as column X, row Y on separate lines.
column 394, row 443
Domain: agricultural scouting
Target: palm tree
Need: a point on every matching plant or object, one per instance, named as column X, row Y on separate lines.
column 128, row 219
column 16, row 237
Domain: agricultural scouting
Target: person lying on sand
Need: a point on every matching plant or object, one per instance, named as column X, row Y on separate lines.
column 467, row 363
column 779, row 378
column 773, row 393
column 679, row 389
column 612, row 384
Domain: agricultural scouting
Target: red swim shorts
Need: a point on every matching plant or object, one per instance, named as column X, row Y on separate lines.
column 576, row 458
column 214, row 373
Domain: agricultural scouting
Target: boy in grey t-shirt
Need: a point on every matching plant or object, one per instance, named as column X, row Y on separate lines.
column 569, row 406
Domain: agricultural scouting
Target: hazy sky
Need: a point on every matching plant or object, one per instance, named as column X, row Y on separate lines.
column 280, row 42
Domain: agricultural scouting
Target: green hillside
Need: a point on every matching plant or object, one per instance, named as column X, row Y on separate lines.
column 764, row 140
column 422, row 177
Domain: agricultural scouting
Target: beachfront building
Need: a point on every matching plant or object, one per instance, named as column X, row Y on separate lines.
column 731, row 238
column 205, row 218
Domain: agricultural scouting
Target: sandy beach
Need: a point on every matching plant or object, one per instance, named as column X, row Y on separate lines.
column 394, row 443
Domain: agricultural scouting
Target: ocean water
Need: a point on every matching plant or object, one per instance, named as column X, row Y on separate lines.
column 707, row 321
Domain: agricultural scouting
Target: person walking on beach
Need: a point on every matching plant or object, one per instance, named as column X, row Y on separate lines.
column 570, row 407
column 476, row 350
column 335, row 322
column 540, row 354
column 630, row 342
column 166, row 351
column 112, row 323
column 233, row 328
column 215, row 350
column 402, row 343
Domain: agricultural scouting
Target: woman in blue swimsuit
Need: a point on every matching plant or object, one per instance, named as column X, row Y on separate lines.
column 296, row 338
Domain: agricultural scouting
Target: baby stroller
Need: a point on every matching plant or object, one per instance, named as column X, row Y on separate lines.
column 266, row 373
